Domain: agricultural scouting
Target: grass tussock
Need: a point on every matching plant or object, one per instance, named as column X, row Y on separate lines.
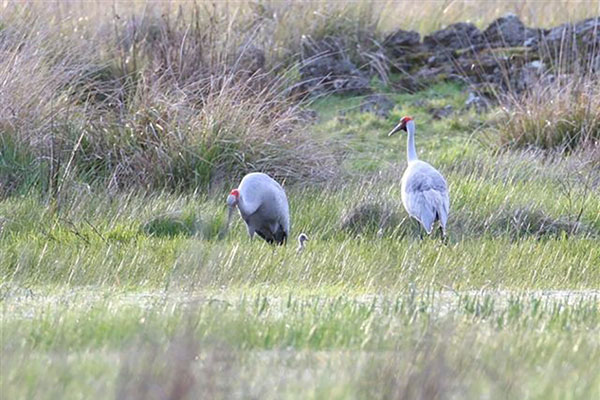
column 170, row 100
column 184, row 223
column 524, row 222
column 181, row 95
column 371, row 217
column 561, row 115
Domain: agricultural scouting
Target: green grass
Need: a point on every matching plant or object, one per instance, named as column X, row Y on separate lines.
column 476, row 344
column 121, row 129
column 140, row 295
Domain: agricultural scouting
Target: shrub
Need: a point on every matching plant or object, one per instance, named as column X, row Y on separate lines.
column 559, row 115
column 179, row 100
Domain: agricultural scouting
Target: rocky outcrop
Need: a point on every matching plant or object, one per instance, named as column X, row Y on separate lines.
column 401, row 42
column 326, row 67
column 456, row 36
column 509, row 31
column 507, row 55
column 577, row 43
column 378, row 104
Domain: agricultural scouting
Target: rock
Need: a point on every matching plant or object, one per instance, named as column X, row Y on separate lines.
column 595, row 64
column 456, row 36
column 559, row 37
column 531, row 42
column 355, row 84
column 480, row 65
column 440, row 112
column 476, row 101
column 435, row 74
column 583, row 49
column 251, row 59
column 378, row 104
column 327, row 68
column 399, row 42
column 504, row 71
column 588, row 31
column 328, row 73
column 573, row 43
column 404, row 49
column 309, row 116
column 420, row 103
column 527, row 76
column 408, row 84
column 508, row 31
column 423, row 78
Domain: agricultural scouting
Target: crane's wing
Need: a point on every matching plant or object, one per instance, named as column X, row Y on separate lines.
column 262, row 193
column 445, row 209
column 425, row 195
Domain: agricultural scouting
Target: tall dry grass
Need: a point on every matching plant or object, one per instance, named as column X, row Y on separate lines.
column 151, row 100
column 184, row 94
column 562, row 115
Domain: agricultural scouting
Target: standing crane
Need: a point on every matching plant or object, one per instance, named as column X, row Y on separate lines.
column 263, row 205
column 424, row 190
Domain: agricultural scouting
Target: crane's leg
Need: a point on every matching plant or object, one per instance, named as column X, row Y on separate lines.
column 262, row 235
column 418, row 223
column 443, row 235
column 280, row 236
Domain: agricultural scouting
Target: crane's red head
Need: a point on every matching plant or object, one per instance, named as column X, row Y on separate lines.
column 233, row 198
column 401, row 125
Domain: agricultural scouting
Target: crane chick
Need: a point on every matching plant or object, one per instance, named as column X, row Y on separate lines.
column 424, row 190
column 301, row 239
column 263, row 205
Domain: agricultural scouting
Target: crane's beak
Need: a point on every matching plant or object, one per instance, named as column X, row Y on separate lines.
column 223, row 232
column 397, row 128
column 226, row 228
column 229, row 215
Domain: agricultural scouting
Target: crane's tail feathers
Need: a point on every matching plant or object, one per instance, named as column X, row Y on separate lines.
column 433, row 207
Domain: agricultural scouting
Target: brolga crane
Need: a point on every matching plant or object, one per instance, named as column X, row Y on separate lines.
column 424, row 190
column 263, row 205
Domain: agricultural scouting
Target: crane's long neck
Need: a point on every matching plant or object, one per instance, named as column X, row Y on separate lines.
column 244, row 207
column 411, row 151
column 230, row 211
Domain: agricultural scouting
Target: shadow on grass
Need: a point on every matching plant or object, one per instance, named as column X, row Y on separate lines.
column 183, row 224
column 383, row 219
column 518, row 223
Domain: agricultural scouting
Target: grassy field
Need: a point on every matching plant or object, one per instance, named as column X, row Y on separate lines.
column 137, row 294
column 133, row 291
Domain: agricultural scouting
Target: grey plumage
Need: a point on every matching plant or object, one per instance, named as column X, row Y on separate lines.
column 425, row 195
column 302, row 238
column 424, row 190
column 263, row 205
